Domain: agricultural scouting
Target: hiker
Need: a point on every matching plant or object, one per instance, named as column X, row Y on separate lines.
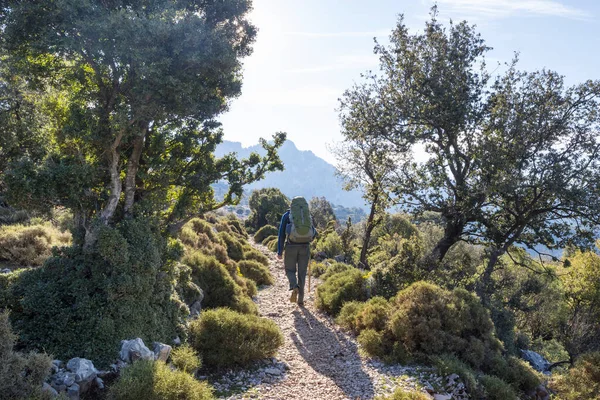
column 297, row 225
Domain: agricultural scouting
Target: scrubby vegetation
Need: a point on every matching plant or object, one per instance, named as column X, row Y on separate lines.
column 186, row 359
column 21, row 375
column 154, row 380
column 401, row 394
column 23, row 245
column 225, row 338
column 265, row 232
column 256, row 271
column 582, row 381
column 340, row 288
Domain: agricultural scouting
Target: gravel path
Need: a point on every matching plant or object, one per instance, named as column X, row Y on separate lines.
column 320, row 360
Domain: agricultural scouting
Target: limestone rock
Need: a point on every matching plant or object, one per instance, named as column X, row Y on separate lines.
column 85, row 372
column 135, row 349
column 162, row 351
column 46, row 388
column 537, row 361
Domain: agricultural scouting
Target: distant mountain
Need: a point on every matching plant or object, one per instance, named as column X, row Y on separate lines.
column 305, row 175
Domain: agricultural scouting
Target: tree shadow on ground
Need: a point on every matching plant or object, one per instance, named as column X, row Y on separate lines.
column 331, row 354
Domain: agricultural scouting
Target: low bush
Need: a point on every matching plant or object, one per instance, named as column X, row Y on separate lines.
column 335, row 268
column 317, row 269
column 338, row 289
column 266, row 240
column 21, row 376
column 235, row 249
column 331, row 245
column 272, row 245
column 264, row 232
column 225, row 338
column 220, row 289
column 7, row 281
column 582, row 381
column 256, row 256
column 30, row 245
column 347, row 316
column 186, row 359
column 256, row 271
column 429, row 320
column 236, row 225
column 447, row 364
column 201, row 226
column 373, row 343
column 154, row 380
column 496, row 389
column 401, row 394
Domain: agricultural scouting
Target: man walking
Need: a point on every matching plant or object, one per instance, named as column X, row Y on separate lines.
column 296, row 224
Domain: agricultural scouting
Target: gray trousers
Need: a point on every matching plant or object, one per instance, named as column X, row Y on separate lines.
column 295, row 260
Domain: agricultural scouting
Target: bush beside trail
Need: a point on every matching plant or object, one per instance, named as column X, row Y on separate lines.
column 30, row 245
column 225, row 338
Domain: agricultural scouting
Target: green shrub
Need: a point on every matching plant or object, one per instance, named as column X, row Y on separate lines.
column 30, row 245
column 21, row 376
column 521, row 375
column 7, row 281
column 201, row 226
column 331, row 245
column 447, row 364
column 372, row 342
column 496, row 389
column 236, row 225
column 374, row 314
column 220, row 289
column 317, row 268
column 82, row 303
column 235, row 249
column 186, row 359
column 256, row 256
column 401, row 394
column 264, row 232
column 272, row 245
column 266, row 240
column 347, row 316
column 582, row 381
column 154, row 380
column 429, row 320
column 338, row 289
column 256, row 271
column 335, row 268
column 226, row 338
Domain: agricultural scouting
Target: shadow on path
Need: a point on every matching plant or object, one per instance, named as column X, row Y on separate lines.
column 331, row 354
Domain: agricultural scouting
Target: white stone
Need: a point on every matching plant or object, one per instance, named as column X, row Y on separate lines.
column 135, row 349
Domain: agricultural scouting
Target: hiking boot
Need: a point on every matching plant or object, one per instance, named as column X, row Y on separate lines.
column 300, row 304
column 294, row 296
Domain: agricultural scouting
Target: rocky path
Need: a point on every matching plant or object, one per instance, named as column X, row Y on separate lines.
column 317, row 360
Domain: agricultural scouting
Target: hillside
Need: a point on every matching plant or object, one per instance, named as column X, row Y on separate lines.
column 305, row 174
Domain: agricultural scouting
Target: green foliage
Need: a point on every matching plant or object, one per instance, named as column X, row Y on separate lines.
column 401, row 394
column 267, row 205
column 396, row 264
column 335, row 268
column 331, row 245
column 256, row 255
column 429, row 320
column 202, row 226
column 582, row 381
column 338, row 289
column 256, row 271
column 185, row 68
column 220, row 289
column 186, row 359
column 7, row 281
column 235, row 249
column 269, row 239
column 357, row 316
column 226, row 338
column 448, row 364
column 122, row 288
column 373, row 343
column 236, row 225
column 272, row 245
column 347, row 316
column 317, row 268
column 321, row 212
column 30, row 245
column 21, row 375
column 154, row 380
column 496, row 389
column 264, row 232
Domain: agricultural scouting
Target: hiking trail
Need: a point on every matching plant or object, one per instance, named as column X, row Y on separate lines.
column 323, row 361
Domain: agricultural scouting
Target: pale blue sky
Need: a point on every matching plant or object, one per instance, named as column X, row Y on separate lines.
column 308, row 52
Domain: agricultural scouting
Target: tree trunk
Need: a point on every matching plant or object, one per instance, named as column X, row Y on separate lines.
column 116, row 187
column 368, row 230
column 452, row 233
column 483, row 287
column 132, row 168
